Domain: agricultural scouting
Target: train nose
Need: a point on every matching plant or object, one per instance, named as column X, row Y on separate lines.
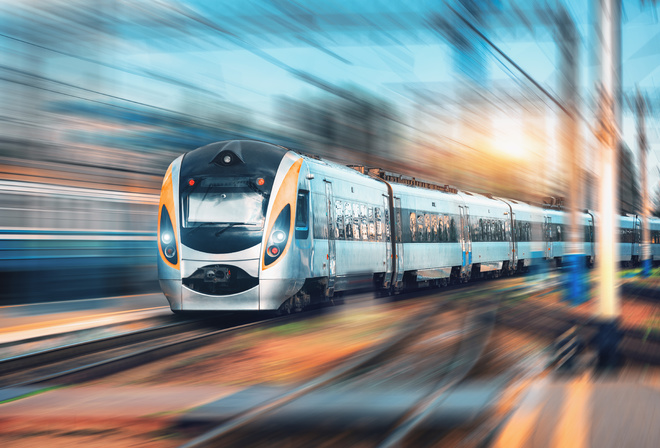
column 217, row 274
column 219, row 279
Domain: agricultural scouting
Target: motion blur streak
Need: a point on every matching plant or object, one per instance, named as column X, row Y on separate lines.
column 98, row 97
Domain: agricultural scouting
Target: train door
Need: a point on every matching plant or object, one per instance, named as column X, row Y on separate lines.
column 387, row 237
column 399, row 242
column 548, row 236
column 331, row 257
column 636, row 237
column 466, row 241
column 513, row 259
column 589, row 239
column 510, row 234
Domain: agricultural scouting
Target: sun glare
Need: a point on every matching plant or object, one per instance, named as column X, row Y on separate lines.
column 508, row 138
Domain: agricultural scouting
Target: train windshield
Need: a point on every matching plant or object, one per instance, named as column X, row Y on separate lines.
column 235, row 203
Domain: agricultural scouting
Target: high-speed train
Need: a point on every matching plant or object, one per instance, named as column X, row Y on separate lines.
column 247, row 225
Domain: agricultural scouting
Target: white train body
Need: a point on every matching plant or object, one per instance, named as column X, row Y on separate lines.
column 246, row 225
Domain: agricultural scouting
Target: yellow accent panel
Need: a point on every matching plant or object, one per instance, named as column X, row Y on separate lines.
column 286, row 195
column 167, row 199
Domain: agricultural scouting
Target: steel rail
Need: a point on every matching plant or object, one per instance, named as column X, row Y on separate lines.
column 473, row 345
column 357, row 365
column 67, row 351
column 638, row 345
column 100, row 369
column 73, row 333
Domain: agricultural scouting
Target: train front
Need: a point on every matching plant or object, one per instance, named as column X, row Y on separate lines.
column 225, row 224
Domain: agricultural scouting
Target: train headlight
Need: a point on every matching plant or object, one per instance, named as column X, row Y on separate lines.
column 279, row 236
column 166, row 237
column 168, row 245
column 227, row 159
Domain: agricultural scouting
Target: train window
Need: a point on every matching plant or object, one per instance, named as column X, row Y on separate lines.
column 378, row 214
column 364, row 226
column 387, row 225
column 356, row 222
column 440, row 228
column 302, row 215
column 427, row 227
column 453, row 234
column 421, row 233
column 339, row 218
column 372, row 224
column 398, row 229
column 348, row 220
column 434, row 228
column 413, row 226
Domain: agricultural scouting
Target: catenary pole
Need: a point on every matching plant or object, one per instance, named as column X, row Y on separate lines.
column 608, row 31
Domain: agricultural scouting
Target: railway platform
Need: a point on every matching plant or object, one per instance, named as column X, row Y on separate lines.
column 586, row 412
column 38, row 320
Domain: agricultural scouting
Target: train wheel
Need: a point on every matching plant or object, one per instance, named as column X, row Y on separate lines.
column 285, row 308
column 381, row 293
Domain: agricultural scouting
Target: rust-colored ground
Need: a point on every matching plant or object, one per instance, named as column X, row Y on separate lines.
column 285, row 354
column 635, row 313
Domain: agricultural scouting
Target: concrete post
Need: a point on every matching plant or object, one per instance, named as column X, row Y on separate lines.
column 608, row 16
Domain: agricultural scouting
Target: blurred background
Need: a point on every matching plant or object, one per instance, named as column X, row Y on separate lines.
column 97, row 97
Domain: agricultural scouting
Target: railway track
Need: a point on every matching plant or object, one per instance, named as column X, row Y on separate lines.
column 411, row 383
column 637, row 345
column 69, row 363
column 384, row 363
column 90, row 360
column 94, row 359
column 420, row 424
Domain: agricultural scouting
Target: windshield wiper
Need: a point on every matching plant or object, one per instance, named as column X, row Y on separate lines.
column 230, row 225
column 199, row 226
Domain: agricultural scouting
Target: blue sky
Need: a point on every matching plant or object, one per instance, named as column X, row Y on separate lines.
column 248, row 52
